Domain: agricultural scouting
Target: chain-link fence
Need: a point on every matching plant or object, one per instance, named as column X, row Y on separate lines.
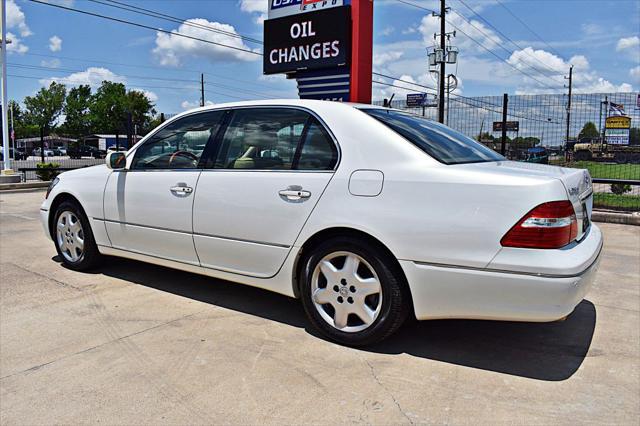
column 537, row 131
column 28, row 168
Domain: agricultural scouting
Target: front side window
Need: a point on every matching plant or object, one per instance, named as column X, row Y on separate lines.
column 180, row 144
column 275, row 139
column 439, row 141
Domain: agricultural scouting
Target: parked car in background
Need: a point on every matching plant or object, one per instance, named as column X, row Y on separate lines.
column 47, row 152
column 366, row 214
column 78, row 151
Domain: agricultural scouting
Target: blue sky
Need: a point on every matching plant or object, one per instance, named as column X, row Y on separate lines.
column 600, row 39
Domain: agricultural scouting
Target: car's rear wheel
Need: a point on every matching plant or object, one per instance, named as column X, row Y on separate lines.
column 73, row 237
column 352, row 292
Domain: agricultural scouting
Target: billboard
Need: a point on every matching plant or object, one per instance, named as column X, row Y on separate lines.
column 308, row 41
column 618, row 122
column 280, row 8
column 512, row 126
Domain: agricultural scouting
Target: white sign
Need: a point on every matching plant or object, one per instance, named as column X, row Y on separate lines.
column 617, row 136
column 102, row 144
column 280, row 8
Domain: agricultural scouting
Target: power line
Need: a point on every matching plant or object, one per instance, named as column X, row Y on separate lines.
column 528, row 27
column 98, row 61
column 505, row 36
column 166, row 17
column 481, row 45
column 135, row 24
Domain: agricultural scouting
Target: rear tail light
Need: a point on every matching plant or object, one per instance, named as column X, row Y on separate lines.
column 548, row 226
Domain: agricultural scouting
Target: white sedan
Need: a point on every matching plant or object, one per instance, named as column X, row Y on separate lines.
column 366, row 214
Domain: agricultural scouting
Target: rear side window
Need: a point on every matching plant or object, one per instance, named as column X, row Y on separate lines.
column 439, row 141
column 318, row 150
column 179, row 145
column 275, row 139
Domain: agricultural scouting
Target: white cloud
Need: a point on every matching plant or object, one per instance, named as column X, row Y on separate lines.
column 591, row 29
column 585, row 80
column 16, row 19
column 191, row 105
column 16, row 45
column 51, row 63
column 55, row 44
column 255, row 6
column 171, row 49
column 635, row 73
column 149, row 94
column 382, row 59
column 628, row 43
column 387, row 31
column 93, row 76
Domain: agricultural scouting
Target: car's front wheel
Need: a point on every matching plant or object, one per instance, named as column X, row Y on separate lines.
column 73, row 237
column 352, row 292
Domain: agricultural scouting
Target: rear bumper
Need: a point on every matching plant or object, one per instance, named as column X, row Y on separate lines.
column 440, row 291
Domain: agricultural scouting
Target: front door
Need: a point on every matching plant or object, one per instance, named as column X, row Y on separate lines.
column 148, row 207
column 270, row 170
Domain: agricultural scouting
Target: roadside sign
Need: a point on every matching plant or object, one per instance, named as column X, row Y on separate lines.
column 308, row 41
column 512, row 126
column 416, row 99
column 616, row 136
column 280, row 8
column 618, row 122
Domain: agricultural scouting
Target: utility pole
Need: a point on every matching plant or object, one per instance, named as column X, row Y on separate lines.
column 441, row 80
column 505, row 103
column 570, row 78
column 5, row 104
column 201, row 90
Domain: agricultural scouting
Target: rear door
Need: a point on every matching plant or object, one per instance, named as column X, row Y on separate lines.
column 270, row 169
column 148, row 207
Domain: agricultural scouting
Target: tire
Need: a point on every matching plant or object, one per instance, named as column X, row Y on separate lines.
column 583, row 156
column 70, row 228
column 339, row 289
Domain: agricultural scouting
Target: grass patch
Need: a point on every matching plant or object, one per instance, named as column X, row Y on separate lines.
column 616, row 202
column 607, row 170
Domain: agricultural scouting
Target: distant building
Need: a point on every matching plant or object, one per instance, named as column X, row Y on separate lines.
column 50, row 142
column 104, row 142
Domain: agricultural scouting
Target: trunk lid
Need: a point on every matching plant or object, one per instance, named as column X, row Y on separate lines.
column 577, row 183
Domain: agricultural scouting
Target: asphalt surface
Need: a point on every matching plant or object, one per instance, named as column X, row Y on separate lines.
column 139, row 344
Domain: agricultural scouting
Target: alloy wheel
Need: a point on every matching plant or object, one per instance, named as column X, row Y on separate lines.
column 70, row 236
column 346, row 291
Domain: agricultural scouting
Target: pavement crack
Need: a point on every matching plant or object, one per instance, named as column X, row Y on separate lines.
column 39, row 366
column 393, row 398
column 62, row 283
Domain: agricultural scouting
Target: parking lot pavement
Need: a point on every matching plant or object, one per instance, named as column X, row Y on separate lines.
column 133, row 343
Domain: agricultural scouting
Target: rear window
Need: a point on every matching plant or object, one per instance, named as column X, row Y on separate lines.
column 439, row 141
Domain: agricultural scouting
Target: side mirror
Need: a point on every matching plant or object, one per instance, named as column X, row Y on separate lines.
column 116, row 160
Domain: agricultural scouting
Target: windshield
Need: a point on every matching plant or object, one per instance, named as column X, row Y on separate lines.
column 439, row 141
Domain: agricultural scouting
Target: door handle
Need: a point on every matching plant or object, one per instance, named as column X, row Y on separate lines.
column 294, row 193
column 178, row 189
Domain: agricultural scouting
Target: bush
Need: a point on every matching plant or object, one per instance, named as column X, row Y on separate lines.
column 46, row 171
column 620, row 188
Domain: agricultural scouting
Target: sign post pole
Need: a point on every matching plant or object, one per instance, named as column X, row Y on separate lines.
column 361, row 50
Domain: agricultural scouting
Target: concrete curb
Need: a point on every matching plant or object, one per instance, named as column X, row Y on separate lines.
column 23, row 185
column 616, row 217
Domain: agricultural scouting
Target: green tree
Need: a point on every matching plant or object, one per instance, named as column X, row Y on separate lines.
column 141, row 108
column 589, row 131
column 44, row 108
column 485, row 136
column 76, row 110
column 112, row 104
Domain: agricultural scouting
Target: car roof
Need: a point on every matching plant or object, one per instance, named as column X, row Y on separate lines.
column 306, row 103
